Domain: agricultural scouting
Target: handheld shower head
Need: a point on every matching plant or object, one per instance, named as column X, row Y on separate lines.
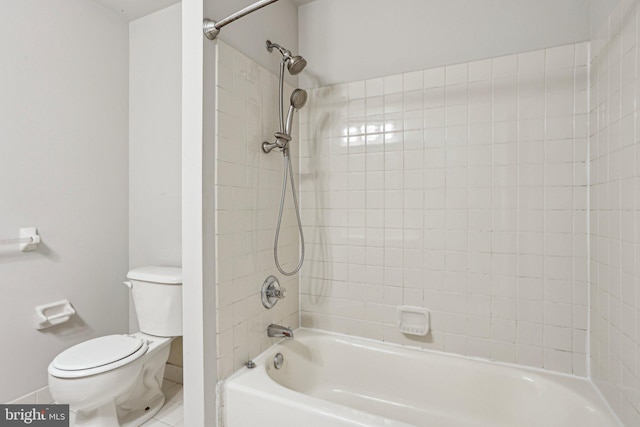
column 295, row 64
column 298, row 100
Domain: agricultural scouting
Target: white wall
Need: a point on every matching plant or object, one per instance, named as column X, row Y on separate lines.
column 64, row 169
column 600, row 11
column 155, row 139
column 197, row 236
column 354, row 40
column 132, row 10
column 155, row 146
column 615, row 212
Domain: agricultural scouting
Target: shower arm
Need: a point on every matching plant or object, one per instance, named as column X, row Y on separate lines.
column 284, row 52
column 212, row 28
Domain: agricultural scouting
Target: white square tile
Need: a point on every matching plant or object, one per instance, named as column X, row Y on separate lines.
column 456, row 115
column 480, row 70
column 172, row 413
column 505, row 66
column 413, row 81
column 530, row 311
column 531, row 64
column 412, row 101
column 530, row 334
column 374, row 87
column 503, row 351
column 339, row 93
column 529, row 355
column 393, row 84
column 557, row 360
column 457, row 94
column 560, row 57
column 457, row 74
column 434, row 78
column 434, row 97
column 224, row 77
column 374, row 106
column 557, row 313
column 557, row 338
column 472, row 192
column 356, row 90
column 582, row 54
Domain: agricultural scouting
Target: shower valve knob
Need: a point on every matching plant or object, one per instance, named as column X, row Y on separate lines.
column 278, row 293
column 272, row 292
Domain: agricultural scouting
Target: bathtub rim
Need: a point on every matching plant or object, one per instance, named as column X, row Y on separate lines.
column 565, row 379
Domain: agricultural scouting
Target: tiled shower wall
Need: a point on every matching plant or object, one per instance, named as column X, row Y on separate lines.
column 615, row 221
column 460, row 189
column 248, row 185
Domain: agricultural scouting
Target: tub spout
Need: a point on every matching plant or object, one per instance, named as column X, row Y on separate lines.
column 277, row 331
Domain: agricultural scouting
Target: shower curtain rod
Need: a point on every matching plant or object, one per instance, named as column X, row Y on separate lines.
column 212, row 28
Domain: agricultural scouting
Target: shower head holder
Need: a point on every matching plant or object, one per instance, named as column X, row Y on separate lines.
column 282, row 142
column 295, row 63
column 286, row 54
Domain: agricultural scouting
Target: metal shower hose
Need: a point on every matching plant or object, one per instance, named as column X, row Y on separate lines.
column 288, row 168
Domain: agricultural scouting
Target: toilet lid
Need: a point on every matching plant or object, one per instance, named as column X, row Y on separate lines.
column 97, row 352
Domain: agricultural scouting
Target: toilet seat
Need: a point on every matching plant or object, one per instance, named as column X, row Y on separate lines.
column 97, row 355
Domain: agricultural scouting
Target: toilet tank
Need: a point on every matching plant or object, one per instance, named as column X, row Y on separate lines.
column 157, row 297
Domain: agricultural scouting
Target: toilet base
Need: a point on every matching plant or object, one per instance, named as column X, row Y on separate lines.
column 146, row 398
column 127, row 396
column 107, row 416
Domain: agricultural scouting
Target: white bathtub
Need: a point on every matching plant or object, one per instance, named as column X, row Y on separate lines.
column 334, row 380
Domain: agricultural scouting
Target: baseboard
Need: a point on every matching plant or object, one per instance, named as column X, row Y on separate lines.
column 38, row 397
column 173, row 373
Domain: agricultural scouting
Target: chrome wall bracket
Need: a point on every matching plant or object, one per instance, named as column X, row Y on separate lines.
column 209, row 28
column 272, row 292
column 212, row 28
column 282, row 142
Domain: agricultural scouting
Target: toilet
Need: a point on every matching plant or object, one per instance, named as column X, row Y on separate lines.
column 116, row 380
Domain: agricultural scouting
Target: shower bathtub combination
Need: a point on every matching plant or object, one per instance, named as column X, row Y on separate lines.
column 446, row 167
column 335, row 380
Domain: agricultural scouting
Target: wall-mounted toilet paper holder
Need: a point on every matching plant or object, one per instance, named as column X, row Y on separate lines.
column 52, row 314
column 29, row 239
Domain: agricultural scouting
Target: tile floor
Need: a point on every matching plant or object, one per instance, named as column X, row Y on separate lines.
column 171, row 414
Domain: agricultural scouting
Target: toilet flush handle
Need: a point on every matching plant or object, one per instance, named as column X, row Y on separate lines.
column 129, row 284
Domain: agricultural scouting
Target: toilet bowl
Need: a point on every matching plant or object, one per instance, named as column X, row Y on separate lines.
column 116, row 380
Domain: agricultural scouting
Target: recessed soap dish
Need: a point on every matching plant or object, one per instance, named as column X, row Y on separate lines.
column 413, row 320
